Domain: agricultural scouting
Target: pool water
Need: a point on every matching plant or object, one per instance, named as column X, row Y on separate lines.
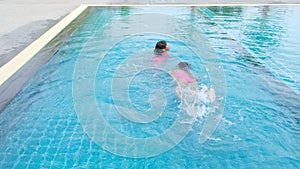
column 106, row 63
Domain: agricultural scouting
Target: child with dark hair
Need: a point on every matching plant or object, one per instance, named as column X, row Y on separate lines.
column 161, row 46
column 185, row 79
column 160, row 52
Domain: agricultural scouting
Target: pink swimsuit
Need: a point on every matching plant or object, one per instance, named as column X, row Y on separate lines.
column 160, row 58
column 185, row 76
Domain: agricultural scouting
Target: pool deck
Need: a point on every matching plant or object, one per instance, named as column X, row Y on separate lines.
column 22, row 22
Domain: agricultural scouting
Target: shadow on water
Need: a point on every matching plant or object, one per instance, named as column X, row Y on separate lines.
column 285, row 96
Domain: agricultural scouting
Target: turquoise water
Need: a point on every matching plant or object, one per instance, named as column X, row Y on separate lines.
column 256, row 47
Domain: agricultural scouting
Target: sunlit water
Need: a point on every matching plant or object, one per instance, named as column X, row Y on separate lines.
column 257, row 47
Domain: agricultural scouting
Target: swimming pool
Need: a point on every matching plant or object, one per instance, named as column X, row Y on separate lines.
column 64, row 117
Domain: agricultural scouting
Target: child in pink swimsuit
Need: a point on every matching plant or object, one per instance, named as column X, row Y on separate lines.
column 160, row 52
column 183, row 74
column 184, row 78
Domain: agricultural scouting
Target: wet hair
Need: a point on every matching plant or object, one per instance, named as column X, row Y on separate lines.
column 160, row 45
column 184, row 65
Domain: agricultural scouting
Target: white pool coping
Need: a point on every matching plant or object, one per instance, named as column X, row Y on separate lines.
column 21, row 68
column 7, row 70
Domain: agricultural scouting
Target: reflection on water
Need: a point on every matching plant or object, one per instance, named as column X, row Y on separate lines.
column 253, row 39
column 226, row 10
column 125, row 10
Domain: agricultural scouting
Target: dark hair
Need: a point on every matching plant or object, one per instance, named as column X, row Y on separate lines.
column 159, row 47
column 184, row 65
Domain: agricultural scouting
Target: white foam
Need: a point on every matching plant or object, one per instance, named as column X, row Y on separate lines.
column 196, row 102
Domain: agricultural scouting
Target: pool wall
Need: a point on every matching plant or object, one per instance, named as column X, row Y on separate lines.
column 15, row 73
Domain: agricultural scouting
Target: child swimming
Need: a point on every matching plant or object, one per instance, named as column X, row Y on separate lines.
column 186, row 80
column 160, row 52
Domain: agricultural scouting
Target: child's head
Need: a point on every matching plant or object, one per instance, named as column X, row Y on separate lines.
column 184, row 66
column 161, row 46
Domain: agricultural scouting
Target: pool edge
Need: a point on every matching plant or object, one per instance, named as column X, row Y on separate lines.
column 22, row 67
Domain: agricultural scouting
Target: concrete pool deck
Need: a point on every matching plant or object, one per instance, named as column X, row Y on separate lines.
column 22, row 22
